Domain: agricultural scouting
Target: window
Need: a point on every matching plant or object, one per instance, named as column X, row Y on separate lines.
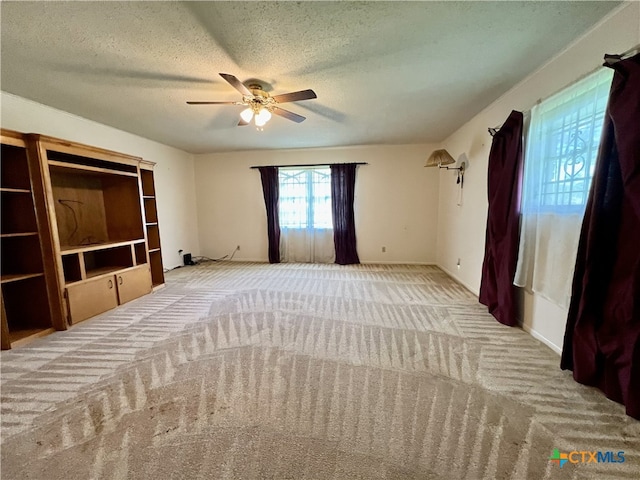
column 562, row 146
column 305, row 198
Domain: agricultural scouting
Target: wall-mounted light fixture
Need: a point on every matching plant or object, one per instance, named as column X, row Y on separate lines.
column 442, row 159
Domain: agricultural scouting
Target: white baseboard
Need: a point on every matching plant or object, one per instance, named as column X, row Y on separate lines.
column 399, row 262
column 526, row 328
column 252, row 260
column 263, row 260
column 460, row 281
column 171, row 267
column 542, row 338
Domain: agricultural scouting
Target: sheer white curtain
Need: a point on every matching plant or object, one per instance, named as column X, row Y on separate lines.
column 306, row 226
column 561, row 150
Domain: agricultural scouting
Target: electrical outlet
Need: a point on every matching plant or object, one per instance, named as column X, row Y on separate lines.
column 384, row 249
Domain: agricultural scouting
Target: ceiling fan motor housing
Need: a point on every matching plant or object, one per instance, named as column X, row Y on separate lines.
column 260, row 98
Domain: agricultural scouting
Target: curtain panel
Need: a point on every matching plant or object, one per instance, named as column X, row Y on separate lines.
column 343, row 181
column 270, row 189
column 497, row 291
column 602, row 337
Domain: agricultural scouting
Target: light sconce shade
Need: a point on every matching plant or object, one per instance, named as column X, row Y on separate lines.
column 438, row 158
column 442, row 158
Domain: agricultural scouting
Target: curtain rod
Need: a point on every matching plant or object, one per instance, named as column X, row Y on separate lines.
column 311, row 165
column 611, row 59
column 631, row 52
column 608, row 60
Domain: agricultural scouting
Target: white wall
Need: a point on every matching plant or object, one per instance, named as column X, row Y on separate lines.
column 174, row 172
column 395, row 203
column 461, row 230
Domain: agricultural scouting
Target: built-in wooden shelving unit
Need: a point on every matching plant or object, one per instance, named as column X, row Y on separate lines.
column 79, row 233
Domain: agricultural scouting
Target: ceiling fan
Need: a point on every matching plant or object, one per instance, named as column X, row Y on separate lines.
column 260, row 105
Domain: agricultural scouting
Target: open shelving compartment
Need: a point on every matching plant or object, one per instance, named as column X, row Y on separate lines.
column 150, row 209
column 26, row 306
column 83, row 263
column 151, row 223
column 26, row 309
column 95, row 207
column 24, row 291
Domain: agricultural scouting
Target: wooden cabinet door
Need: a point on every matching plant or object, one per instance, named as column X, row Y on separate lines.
column 92, row 297
column 133, row 283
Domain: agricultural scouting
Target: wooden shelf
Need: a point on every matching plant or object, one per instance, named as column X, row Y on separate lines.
column 97, row 272
column 105, row 271
column 21, row 234
column 15, row 190
column 154, row 250
column 69, row 249
column 21, row 337
column 20, row 276
column 74, row 167
column 148, row 196
column 152, row 223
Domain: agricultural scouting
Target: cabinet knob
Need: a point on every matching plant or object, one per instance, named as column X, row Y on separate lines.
column 119, row 280
column 110, row 283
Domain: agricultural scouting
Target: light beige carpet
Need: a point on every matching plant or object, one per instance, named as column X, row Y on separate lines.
column 253, row 371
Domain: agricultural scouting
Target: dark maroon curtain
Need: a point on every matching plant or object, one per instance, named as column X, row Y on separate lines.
column 270, row 189
column 602, row 338
column 343, row 182
column 497, row 291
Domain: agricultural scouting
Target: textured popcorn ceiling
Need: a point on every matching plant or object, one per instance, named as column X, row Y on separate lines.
column 384, row 72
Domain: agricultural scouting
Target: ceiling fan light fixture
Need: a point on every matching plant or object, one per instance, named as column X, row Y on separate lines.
column 260, row 105
column 263, row 117
column 246, row 114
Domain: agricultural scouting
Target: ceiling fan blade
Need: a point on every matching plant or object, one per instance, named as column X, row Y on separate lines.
column 212, row 103
column 237, row 84
column 288, row 115
column 295, row 96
